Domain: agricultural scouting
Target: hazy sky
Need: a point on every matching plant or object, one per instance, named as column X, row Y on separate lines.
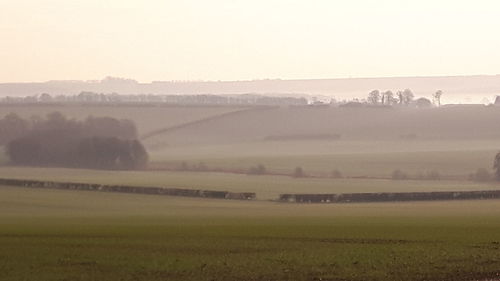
column 252, row 39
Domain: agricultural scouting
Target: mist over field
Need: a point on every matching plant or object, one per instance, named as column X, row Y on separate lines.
column 250, row 140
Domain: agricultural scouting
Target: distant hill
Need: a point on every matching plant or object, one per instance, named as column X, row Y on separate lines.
column 456, row 88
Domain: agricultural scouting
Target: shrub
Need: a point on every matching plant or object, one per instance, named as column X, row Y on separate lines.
column 257, row 170
column 200, row 167
column 433, row 175
column 298, row 172
column 399, row 175
column 429, row 175
column 481, row 174
column 336, row 174
column 183, row 166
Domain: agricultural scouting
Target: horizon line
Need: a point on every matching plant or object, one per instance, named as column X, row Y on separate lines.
column 249, row 80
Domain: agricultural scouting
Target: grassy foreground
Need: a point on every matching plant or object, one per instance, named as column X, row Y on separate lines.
column 78, row 235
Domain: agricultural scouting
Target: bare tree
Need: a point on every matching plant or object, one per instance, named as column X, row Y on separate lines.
column 437, row 97
column 374, row 97
column 400, row 97
column 388, row 97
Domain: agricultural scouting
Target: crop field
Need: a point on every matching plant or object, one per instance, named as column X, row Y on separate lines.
column 266, row 187
column 78, row 235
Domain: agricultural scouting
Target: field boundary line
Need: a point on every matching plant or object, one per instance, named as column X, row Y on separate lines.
column 216, row 194
column 389, row 196
column 203, row 120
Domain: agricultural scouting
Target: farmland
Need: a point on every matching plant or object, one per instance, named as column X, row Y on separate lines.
column 89, row 235
column 77, row 235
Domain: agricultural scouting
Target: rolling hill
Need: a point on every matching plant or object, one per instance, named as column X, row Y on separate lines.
column 368, row 124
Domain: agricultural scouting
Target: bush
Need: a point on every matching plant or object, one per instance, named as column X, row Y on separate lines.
column 481, row 174
column 429, row 175
column 183, row 166
column 257, row 170
column 200, row 167
column 298, row 173
column 433, row 175
column 336, row 174
column 399, row 175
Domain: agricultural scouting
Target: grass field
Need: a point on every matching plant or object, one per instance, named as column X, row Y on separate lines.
column 267, row 187
column 78, row 235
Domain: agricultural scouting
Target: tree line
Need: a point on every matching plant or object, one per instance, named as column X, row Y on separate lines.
column 402, row 98
column 86, row 97
column 96, row 142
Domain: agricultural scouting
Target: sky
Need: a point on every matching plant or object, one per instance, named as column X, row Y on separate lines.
column 151, row 40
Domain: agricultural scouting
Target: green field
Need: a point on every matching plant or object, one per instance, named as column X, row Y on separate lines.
column 78, row 235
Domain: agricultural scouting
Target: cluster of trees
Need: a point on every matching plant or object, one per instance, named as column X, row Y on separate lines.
column 100, row 143
column 402, row 98
column 13, row 126
column 389, row 98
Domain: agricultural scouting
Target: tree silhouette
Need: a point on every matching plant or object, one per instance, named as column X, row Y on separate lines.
column 437, row 97
column 102, row 143
column 496, row 166
column 374, row 97
column 407, row 96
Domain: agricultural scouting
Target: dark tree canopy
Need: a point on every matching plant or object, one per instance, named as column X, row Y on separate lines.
column 102, row 143
column 11, row 127
column 111, row 152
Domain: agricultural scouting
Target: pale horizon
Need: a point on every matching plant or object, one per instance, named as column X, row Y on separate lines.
column 239, row 40
column 250, row 80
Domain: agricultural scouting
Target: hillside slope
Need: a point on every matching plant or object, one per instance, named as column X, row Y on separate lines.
column 459, row 122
